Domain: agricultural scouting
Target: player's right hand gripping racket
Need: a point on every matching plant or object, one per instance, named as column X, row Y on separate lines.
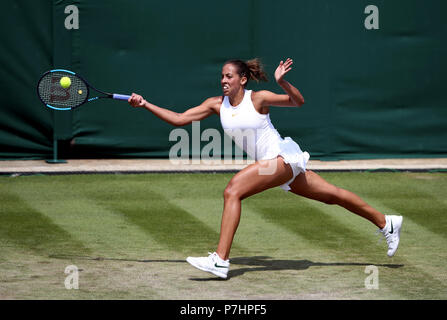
column 54, row 96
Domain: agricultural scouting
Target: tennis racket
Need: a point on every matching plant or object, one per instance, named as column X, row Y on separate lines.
column 54, row 96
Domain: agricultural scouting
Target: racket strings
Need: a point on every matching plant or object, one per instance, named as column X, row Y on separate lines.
column 52, row 93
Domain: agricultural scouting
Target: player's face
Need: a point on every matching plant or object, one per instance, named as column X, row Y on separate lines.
column 231, row 82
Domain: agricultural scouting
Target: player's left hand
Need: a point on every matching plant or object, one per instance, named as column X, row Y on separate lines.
column 283, row 69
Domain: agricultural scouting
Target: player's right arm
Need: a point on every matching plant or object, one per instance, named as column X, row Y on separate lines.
column 202, row 111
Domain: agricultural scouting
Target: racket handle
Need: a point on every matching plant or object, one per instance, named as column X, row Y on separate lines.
column 120, row 96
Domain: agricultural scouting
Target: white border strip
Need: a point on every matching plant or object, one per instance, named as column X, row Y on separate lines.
column 164, row 165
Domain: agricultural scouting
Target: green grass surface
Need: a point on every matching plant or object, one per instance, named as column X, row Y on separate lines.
column 129, row 236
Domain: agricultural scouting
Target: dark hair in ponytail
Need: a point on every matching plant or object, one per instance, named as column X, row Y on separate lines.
column 251, row 69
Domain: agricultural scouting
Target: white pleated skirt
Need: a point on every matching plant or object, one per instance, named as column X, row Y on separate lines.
column 295, row 157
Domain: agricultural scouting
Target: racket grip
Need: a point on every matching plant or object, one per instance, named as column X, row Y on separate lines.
column 120, row 96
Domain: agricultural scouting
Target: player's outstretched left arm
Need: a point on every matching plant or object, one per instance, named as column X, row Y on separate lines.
column 292, row 98
column 293, row 93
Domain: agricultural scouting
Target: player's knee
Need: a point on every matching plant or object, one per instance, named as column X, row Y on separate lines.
column 333, row 197
column 330, row 199
column 231, row 192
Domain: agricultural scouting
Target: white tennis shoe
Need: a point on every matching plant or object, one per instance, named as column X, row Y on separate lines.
column 391, row 232
column 213, row 264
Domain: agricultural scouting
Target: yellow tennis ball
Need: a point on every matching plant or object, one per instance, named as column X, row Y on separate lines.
column 65, row 82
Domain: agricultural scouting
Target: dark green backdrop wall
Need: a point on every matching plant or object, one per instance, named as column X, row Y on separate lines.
column 369, row 93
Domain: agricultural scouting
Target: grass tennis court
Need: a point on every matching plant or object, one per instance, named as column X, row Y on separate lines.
column 129, row 236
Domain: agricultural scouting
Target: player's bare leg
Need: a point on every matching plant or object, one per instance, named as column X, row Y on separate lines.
column 312, row 186
column 253, row 179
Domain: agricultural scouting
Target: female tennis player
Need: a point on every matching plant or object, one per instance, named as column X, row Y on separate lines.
column 244, row 115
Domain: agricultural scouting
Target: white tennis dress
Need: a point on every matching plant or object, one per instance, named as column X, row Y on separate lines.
column 254, row 133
